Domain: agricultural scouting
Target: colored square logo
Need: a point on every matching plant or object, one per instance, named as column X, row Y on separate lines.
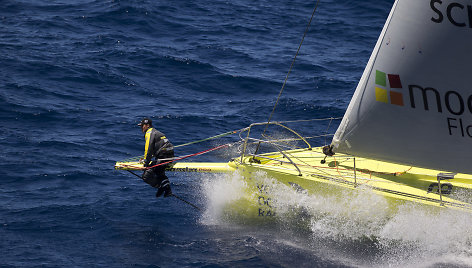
column 396, row 98
column 394, row 80
column 383, row 93
column 380, row 78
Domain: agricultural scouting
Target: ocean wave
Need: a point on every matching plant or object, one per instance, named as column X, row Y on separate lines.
column 77, row 76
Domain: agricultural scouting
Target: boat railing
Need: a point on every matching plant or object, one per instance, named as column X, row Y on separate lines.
column 271, row 142
column 269, row 158
column 278, row 144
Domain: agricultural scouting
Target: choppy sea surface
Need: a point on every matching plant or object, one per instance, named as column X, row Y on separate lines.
column 77, row 76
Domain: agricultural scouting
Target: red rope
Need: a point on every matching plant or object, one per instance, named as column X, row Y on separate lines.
column 228, row 144
column 187, row 156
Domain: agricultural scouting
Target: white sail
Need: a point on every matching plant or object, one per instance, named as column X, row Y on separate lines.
column 413, row 104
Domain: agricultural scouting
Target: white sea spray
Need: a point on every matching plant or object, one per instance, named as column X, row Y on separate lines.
column 361, row 228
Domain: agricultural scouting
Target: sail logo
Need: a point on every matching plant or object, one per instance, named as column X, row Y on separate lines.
column 451, row 103
column 390, row 93
column 457, row 14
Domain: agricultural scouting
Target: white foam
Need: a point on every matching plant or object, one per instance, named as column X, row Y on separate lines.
column 219, row 191
column 358, row 221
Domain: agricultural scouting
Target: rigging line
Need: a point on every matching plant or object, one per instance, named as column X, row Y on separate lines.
column 283, row 142
column 186, row 202
column 183, row 157
column 309, row 120
column 317, row 168
column 180, row 198
column 326, row 132
column 190, row 155
column 291, row 66
column 293, row 61
column 181, row 145
column 210, row 138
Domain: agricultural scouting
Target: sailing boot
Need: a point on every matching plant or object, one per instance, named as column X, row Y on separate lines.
column 168, row 191
column 164, row 188
column 159, row 192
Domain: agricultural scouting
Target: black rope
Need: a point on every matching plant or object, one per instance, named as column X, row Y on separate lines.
column 179, row 198
column 186, row 202
column 134, row 174
column 289, row 70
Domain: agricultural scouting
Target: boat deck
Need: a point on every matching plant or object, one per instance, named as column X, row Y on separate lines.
column 304, row 169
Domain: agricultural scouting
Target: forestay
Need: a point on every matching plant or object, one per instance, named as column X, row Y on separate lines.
column 413, row 104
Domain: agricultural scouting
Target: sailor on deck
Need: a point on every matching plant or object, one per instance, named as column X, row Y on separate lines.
column 157, row 150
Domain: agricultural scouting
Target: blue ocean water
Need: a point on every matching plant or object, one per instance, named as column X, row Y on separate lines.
column 77, row 76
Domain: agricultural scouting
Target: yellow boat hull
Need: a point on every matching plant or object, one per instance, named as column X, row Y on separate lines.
column 335, row 178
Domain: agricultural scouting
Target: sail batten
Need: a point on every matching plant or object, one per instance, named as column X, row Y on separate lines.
column 413, row 104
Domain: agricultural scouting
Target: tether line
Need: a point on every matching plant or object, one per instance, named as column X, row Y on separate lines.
column 290, row 69
column 186, row 202
column 179, row 198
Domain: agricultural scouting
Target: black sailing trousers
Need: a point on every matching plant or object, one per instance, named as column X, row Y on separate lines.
column 156, row 175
